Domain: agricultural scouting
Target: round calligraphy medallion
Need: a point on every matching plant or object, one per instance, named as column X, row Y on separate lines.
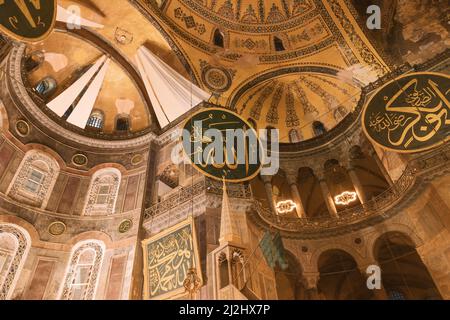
column 125, row 226
column 410, row 113
column 216, row 79
column 27, row 20
column 22, row 128
column 222, row 145
column 137, row 159
column 57, row 228
column 79, row 160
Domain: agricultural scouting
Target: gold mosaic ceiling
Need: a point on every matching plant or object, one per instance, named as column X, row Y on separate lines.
column 321, row 65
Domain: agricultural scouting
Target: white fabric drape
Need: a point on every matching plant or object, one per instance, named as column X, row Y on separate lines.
column 171, row 94
column 62, row 102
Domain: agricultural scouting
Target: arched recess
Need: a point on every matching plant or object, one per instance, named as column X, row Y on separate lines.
column 369, row 174
column 82, row 275
column 34, row 179
column 340, row 278
column 289, row 282
column 404, row 275
column 311, row 194
column 15, row 243
column 281, row 190
column 103, row 192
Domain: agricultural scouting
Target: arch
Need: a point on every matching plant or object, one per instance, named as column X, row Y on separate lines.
column 289, row 282
column 123, row 123
column 318, row 128
column 368, row 171
column 311, row 194
column 103, row 192
column 340, row 247
column 46, row 87
column 278, row 44
column 96, row 120
column 82, row 274
column 218, row 38
column 404, row 273
column 340, row 277
column 12, row 256
column 4, row 123
column 34, row 179
column 294, row 136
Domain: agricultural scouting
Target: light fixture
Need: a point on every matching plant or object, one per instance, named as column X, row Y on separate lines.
column 345, row 198
column 285, row 206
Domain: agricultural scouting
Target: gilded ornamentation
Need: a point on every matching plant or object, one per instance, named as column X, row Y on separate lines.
column 22, row 128
column 57, row 228
column 189, row 21
column 292, row 119
column 272, row 114
column 168, row 257
column 216, row 79
column 256, row 109
column 17, row 259
column 79, row 160
column 125, row 226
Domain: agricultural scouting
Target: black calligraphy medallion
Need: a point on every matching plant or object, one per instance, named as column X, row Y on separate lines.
column 410, row 113
column 222, row 146
column 27, row 20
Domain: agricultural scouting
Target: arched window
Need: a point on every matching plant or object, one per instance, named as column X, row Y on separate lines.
column 35, row 178
column 218, row 38
column 340, row 113
column 46, row 87
column 14, row 245
column 83, row 272
column 278, row 44
column 123, row 123
column 319, row 128
column 95, row 120
column 294, row 136
column 103, row 192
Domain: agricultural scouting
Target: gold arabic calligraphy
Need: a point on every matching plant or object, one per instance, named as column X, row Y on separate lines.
column 423, row 113
column 169, row 260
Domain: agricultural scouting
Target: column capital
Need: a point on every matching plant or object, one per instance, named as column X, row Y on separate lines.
column 310, row 279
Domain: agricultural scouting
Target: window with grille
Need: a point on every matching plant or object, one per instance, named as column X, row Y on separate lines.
column 103, row 194
column 95, row 120
column 34, row 181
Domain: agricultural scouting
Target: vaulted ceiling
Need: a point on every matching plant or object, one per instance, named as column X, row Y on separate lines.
column 282, row 63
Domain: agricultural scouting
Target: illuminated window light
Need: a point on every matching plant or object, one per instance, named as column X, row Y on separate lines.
column 285, row 206
column 345, row 198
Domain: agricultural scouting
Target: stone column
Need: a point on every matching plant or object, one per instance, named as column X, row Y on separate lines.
column 357, row 184
column 327, row 197
column 292, row 180
column 268, row 186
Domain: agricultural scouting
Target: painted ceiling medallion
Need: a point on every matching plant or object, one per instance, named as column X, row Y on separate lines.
column 409, row 114
column 216, row 79
column 125, row 226
column 57, row 228
column 79, row 160
column 22, row 128
column 137, row 159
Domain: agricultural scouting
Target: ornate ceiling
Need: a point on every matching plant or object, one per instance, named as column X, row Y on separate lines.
column 282, row 63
